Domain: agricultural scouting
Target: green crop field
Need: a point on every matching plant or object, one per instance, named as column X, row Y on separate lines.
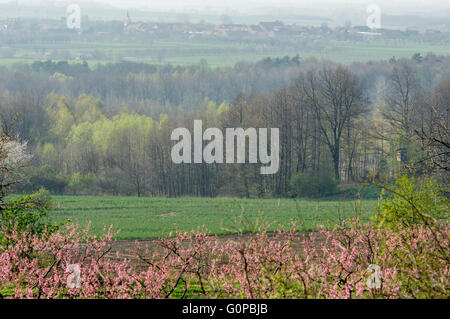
column 145, row 218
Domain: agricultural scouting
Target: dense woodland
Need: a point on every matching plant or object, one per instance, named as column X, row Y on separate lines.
column 106, row 130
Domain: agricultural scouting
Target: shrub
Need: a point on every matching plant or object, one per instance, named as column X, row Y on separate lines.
column 410, row 202
column 81, row 183
column 46, row 178
column 313, row 185
column 362, row 191
column 25, row 214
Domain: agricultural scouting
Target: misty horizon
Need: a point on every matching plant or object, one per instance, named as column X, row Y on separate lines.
column 249, row 7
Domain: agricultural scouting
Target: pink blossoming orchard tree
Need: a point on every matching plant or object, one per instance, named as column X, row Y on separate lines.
column 413, row 263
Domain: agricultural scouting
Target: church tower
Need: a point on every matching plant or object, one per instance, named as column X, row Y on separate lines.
column 127, row 20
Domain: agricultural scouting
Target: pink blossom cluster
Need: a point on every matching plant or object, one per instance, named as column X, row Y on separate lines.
column 413, row 263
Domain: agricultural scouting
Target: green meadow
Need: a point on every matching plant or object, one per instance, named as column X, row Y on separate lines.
column 146, row 218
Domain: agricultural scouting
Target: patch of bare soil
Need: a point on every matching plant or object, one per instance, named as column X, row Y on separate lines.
column 167, row 214
column 128, row 248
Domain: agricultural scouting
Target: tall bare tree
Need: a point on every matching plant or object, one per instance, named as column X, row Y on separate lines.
column 402, row 99
column 335, row 96
column 435, row 133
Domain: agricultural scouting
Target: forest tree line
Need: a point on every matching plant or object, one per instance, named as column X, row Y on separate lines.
column 106, row 130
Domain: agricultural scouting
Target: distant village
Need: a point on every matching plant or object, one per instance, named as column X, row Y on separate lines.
column 267, row 29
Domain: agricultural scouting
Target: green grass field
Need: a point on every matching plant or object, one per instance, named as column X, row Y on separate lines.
column 145, row 218
column 220, row 52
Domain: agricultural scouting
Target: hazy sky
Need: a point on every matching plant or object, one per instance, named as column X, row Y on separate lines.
column 334, row 12
column 397, row 6
column 404, row 4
